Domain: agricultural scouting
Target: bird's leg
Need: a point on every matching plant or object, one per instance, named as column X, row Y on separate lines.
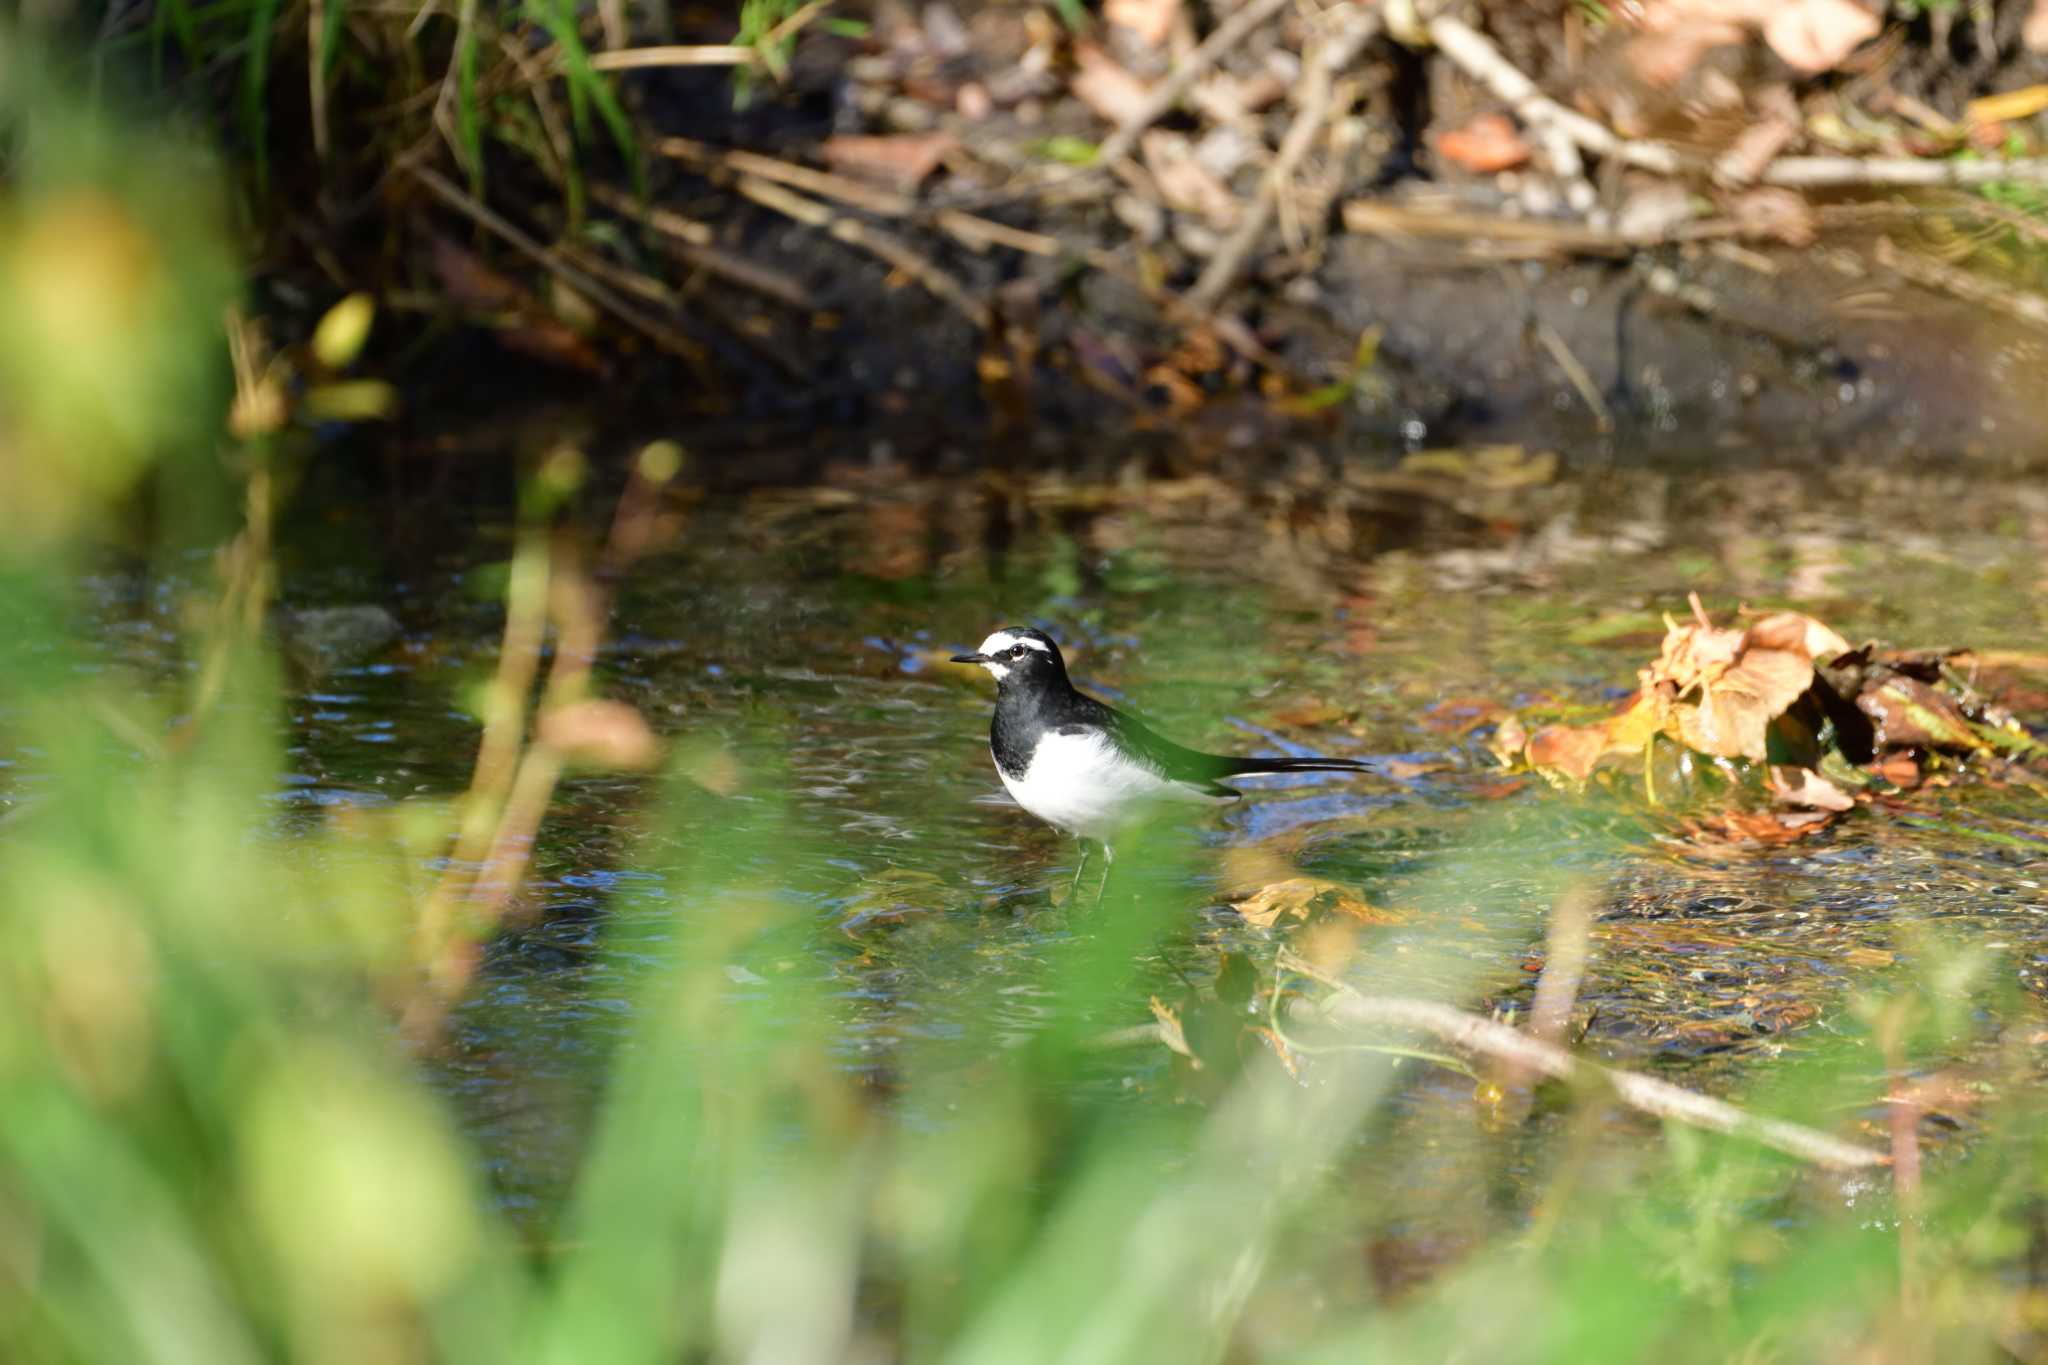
column 1108, row 857
column 1079, row 868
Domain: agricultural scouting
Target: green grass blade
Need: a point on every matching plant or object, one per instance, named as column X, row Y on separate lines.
column 468, row 117
column 587, row 86
column 255, row 80
column 330, row 36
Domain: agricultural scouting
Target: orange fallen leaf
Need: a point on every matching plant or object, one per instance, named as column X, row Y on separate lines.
column 1900, row 769
column 1569, row 749
column 902, row 160
column 1461, row 715
column 1487, row 144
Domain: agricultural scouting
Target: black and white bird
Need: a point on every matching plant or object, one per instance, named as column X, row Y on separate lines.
column 1086, row 768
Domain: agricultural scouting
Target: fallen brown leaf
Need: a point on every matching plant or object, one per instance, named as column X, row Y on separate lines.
column 1309, row 711
column 1805, row 787
column 1148, row 20
column 1104, row 86
column 1184, row 182
column 1910, row 714
column 467, row 281
column 901, row 160
column 1170, row 1032
column 1757, row 826
column 1569, row 749
column 1298, row 897
column 1778, row 215
column 1745, row 678
column 1462, row 715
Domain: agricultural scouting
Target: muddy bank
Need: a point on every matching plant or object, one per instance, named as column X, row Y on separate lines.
column 995, row 238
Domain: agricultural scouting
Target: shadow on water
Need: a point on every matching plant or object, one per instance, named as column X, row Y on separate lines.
column 794, row 637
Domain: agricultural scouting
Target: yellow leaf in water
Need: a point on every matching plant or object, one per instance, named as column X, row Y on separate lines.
column 338, row 338
column 1298, row 897
column 1170, row 1032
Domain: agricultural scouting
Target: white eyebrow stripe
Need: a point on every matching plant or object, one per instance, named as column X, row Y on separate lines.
column 997, row 643
column 1041, row 646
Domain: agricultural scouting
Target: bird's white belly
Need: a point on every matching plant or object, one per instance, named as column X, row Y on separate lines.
column 1081, row 784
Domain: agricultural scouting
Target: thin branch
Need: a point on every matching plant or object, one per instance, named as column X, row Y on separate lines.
column 1163, row 96
column 874, row 241
column 1818, row 172
column 659, row 333
column 694, row 54
column 1348, row 1007
column 1476, row 55
column 1317, row 107
column 974, row 232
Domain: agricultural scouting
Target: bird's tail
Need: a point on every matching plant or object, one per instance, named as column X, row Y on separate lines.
column 1243, row 767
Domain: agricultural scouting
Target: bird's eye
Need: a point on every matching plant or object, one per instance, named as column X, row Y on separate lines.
column 1014, row 652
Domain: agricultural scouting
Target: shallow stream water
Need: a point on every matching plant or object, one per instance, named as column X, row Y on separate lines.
column 793, row 639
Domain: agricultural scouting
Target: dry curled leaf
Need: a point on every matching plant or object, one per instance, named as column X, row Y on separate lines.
column 1910, row 714
column 1756, row 826
column 1299, row 897
column 1171, row 1033
column 1744, row 679
column 1805, row 787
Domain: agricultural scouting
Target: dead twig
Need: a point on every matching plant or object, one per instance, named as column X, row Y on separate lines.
column 975, row 232
column 1359, row 27
column 1163, row 96
column 885, row 247
column 690, row 243
column 1348, row 1007
column 1603, row 420
column 662, row 335
column 1819, row 172
column 1476, row 55
column 695, row 54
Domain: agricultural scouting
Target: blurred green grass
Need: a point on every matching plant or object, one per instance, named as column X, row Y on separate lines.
column 216, row 1146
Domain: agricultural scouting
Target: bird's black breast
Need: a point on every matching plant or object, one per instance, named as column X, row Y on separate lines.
column 1013, row 736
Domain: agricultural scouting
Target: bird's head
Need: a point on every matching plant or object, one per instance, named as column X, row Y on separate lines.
column 1019, row 655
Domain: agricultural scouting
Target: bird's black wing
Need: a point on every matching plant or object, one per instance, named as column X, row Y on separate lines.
column 1193, row 766
column 1154, row 750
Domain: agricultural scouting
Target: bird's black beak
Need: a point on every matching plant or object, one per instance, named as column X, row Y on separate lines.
column 970, row 658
